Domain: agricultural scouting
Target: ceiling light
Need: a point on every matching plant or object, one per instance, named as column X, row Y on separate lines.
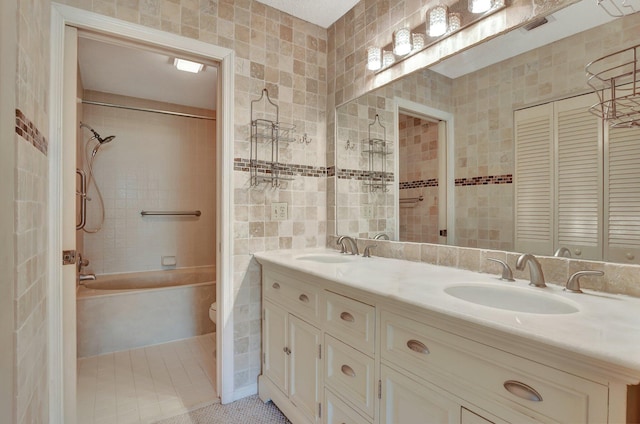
column 187, row 65
column 455, row 22
column 479, row 6
column 438, row 21
column 402, row 41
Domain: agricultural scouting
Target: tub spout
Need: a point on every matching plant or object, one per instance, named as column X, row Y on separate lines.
column 87, row 277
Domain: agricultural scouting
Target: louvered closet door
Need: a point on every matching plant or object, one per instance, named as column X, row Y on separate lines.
column 622, row 195
column 534, row 217
column 579, row 166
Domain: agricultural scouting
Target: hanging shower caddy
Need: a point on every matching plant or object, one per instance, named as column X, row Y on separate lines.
column 615, row 78
column 268, row 132
column 376, row 147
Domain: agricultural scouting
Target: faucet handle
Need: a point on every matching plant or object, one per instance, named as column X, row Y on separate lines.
column 573, row 283
column 367, row 250
column 507, row 274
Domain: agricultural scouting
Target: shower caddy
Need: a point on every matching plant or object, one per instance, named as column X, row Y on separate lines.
column 615, row 78
column 377, row 149
column 272, row 132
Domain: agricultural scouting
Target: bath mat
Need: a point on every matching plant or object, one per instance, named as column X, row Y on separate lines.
column 250, row 410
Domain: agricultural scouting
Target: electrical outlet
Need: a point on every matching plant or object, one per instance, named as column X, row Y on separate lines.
column 367, row 211
column 279, row 211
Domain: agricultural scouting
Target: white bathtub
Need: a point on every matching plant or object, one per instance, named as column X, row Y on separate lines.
column 125, row 311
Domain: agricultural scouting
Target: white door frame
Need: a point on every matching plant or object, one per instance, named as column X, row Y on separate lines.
column 400, row 104
column 62, row 15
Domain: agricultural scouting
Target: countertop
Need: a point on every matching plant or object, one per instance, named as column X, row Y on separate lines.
column 605, row 328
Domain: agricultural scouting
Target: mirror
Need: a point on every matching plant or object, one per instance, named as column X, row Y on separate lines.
column 479, row 89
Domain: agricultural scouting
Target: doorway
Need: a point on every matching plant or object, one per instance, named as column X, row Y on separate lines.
column 423, row 140
column 63, row 186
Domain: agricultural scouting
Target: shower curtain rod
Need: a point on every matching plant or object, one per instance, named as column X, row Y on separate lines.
column 144, row 109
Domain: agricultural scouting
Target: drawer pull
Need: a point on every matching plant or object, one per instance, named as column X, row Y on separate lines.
column 304, row 298
column 348, row 371
column 346, row 316
column 276, row 286
column 522, row 390
column 286, row 350
column 417, row 346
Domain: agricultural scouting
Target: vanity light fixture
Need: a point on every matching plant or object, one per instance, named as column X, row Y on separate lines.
column 418, row 40
column 187, row 65
column 374, row 60
column 437, row 20
column 387, row 58
column 479, row 6
column 402, row 41
column 455, row 22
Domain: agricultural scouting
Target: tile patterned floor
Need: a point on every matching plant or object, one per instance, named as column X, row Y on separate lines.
column 143, row 385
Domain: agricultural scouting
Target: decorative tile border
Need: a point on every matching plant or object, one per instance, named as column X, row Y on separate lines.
column 28, row 131
column 240, row 164
column 432, row 182
column 360, row 175
column 485, row 180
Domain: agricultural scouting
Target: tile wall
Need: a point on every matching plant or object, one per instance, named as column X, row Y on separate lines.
column 30, row 209
column 156, row 162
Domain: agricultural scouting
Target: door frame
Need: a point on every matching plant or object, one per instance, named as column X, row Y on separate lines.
column 61, row 16
column 401, row 105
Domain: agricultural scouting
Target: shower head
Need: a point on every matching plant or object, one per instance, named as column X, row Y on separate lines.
column 96, row 135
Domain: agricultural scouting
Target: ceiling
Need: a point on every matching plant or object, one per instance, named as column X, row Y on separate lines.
column 135, row 72
column 113, row 67
column 319, row 12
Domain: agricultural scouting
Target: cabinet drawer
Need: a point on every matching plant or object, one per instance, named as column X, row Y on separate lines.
column 350, row 373
column 525, row 387
column 337, row 412
column 296, row 296
column 351, row 320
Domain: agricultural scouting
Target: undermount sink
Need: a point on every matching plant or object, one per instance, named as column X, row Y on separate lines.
column 512, row 299
column 327, row 258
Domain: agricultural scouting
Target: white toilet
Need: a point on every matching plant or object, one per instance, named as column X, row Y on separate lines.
column 213, row 310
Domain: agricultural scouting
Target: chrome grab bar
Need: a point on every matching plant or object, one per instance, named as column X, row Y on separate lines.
column 412, row 199
column 83, row 199
column 165, row 213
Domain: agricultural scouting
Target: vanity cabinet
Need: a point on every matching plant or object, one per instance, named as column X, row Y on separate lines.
column 292, row 348
column 337, row 355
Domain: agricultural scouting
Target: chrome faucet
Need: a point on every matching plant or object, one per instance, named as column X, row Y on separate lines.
column 351, row 242
column 535, row 270
column 563, row 251
column 573, row 283
column 381, row 236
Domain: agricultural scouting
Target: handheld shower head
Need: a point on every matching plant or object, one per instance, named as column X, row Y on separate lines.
column 96, row 135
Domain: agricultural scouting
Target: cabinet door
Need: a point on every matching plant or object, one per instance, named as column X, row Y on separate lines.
column 305, row 367
column 404, row 401
column 469, row 417
column 274, row 345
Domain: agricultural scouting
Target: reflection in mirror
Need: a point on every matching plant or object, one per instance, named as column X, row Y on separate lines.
column 482, row 158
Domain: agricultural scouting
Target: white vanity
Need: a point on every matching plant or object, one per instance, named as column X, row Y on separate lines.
column 348, row 339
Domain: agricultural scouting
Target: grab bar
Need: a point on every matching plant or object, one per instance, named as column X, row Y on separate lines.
column 178, row 213
column 412, row 199
column 83, row 199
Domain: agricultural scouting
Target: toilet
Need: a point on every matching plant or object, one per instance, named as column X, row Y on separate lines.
column 213, row 310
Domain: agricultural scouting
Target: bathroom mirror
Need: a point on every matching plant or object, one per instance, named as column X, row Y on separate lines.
column 462, row 175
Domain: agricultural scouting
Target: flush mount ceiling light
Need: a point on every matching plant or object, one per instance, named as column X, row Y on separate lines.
column 187, row 65
column 437, row 21
column 479, row 6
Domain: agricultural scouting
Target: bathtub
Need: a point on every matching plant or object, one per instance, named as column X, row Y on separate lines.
column 125, row 311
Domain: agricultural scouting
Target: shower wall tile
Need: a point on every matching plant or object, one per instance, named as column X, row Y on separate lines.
column 156, row 162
